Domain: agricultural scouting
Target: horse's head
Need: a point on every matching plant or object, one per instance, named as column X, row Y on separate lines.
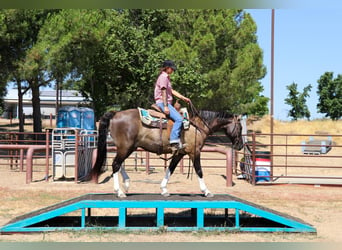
column 214, row 121
column 233, row 130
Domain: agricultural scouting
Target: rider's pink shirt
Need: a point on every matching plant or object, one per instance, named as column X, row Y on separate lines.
column 162, row 82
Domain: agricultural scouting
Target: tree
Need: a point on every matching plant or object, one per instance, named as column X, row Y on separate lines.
column 103, row 54
column 3, row 68
column 20, row 61
column 72, row 43
column 13, row 39
column 113, row 56
column 330, row 95
column 132, row 59
column 298, row 101
column 221, row 48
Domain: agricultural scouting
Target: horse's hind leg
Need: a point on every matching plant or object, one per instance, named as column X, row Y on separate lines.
column 116, row 166
column 168, row 173
column 125, row 178
column 116, row 182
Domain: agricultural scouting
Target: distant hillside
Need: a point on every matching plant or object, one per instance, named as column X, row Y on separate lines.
column 320, row 127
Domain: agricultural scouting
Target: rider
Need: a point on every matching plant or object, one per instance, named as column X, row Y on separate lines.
column 163, row 96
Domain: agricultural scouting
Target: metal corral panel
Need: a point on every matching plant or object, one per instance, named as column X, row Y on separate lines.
column 64, row 149
column 58, row 162
column 189, row 212
column 69, row 165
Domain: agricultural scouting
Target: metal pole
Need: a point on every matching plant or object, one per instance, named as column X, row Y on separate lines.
column 229, row 167
column 147, row 162
column 47, row 152
column 57, row 98
column 272, row 94
column 253, row 158
column 77, row 138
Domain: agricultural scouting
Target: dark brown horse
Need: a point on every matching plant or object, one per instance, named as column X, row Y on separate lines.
column 129, row 133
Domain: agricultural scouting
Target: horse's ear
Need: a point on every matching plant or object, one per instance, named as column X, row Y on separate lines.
column 239, row 117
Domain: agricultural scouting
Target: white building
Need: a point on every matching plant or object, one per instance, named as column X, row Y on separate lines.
column 47, row 102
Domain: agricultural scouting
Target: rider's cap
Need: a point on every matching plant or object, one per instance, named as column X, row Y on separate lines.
column 169, row 63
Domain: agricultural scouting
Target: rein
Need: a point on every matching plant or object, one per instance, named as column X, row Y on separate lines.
column 235, row 121
column 196, row 113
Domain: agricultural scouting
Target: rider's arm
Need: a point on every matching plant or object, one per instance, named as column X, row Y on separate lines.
column 180, row 96
column 164, row 96
column 165, row 103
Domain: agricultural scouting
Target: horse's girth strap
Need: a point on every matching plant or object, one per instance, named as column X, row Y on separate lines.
column 160, row 149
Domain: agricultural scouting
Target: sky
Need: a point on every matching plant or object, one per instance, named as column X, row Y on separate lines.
column 307, row 43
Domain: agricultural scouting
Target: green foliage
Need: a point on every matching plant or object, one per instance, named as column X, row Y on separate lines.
column 330, row 95
column 20, row 59
column 103, row 54
column 76, row 52
column 114, row 56
column 298, row 102
column 221, row 44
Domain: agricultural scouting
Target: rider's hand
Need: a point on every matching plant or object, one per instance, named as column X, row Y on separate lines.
column 187, row 100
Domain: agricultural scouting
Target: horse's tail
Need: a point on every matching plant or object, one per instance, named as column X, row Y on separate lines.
column 102, row 144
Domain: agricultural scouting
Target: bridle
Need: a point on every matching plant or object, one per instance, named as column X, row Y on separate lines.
column 196, row 113
column 233, row 131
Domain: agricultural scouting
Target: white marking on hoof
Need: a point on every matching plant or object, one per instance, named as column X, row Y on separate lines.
column 126, row 185
column 209, row 195
column 122, row 195
column 166, row 194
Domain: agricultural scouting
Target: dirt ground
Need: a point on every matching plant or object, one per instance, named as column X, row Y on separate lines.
column 319, row 206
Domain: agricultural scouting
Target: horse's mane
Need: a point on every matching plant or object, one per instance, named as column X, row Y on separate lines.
column 209, row 116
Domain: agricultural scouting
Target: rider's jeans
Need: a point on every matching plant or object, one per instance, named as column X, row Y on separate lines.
column 178, row 123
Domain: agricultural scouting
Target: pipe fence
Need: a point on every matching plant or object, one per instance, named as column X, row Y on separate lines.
column 34, row 154
column 20, row 149
column 292, row 158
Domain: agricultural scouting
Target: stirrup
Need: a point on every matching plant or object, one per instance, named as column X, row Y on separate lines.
column 177, row 146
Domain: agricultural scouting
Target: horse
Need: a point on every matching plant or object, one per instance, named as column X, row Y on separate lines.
column 128, row 133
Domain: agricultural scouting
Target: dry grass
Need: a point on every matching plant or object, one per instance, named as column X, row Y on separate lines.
column 315, row 127
column 293, row 134
column 13, row 125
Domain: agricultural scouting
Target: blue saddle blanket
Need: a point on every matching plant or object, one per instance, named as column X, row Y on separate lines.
column 154, row 118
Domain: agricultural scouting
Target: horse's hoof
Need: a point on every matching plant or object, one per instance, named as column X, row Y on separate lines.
column 122, row 195
column 209, row 195
column 126, row 185
column 166, row 194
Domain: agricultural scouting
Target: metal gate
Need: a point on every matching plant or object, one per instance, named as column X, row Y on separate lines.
column 72, row 152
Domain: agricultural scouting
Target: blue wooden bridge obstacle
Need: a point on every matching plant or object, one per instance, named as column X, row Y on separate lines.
column 179, row 212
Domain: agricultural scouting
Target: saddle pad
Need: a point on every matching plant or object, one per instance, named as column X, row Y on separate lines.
column 185, row 114
column 152, row 121
column 149, row 120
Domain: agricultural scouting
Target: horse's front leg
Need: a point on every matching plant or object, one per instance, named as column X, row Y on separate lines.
column 163, row 184
column 198, row 169
column 168, row 173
